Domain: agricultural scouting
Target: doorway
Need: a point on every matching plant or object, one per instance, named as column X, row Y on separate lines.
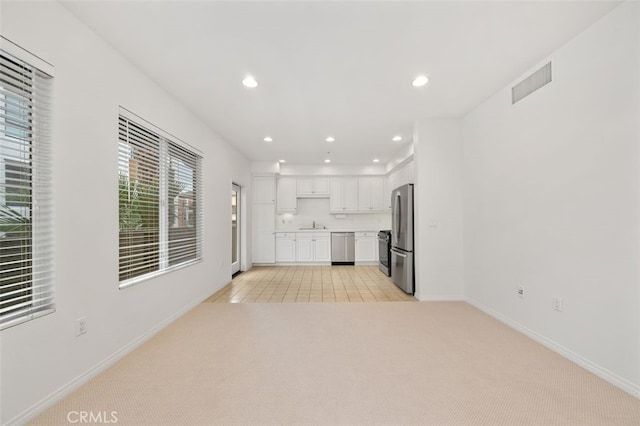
column 235, row 229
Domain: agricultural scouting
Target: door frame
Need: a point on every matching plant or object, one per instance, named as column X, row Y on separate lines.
column 236, row 266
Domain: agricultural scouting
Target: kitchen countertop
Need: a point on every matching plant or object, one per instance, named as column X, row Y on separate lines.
column 301, row 231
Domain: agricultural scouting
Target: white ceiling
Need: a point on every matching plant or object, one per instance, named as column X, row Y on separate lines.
column 333, row 68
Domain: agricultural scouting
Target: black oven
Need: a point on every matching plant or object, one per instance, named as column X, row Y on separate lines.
column 384, row 249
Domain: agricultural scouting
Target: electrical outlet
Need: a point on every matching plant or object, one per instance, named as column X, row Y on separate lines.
column 557, row 303
column 81, row 326
column 521, row 292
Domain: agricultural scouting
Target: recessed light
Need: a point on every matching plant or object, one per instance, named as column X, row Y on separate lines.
column 420, row 81
column 397, row 138
column 330, row 139
column 268, row 139
column 375, row 160
column 327, row 161
column 250, row 82
column 282, row 161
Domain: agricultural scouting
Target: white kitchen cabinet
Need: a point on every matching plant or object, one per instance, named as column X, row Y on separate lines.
column 285, row 247
column 371, row 194
column 321, row 186
column 344, row 195
column 287, row 201
column 312, row 187
column 313, row 247
column 264, row 189
column 264, row 219
column 304, row 248
column 322, row 249
column 335, row 199
column 366, row 247
column 386, row 194
column 263, row 233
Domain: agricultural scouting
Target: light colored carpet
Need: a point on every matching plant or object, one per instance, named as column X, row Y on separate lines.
column 329, row 363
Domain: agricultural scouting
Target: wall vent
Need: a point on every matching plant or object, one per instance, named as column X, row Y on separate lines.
column 531, row 83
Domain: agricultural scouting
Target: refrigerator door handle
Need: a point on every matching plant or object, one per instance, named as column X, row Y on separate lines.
column 397, row 213
column 397, row 253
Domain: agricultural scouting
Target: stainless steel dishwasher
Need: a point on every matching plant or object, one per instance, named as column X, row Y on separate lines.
column 343, row 248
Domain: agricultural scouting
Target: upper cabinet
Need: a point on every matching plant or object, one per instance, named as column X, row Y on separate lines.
column 367, row 194
column 312, row 187
column 386, row 194
column 264, row 189
column 344, row 195
column 371, row 194
column 287, row 202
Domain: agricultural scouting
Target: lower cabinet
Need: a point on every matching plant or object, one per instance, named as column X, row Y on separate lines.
column 366, row 247
column 322, row 249
column 309, row 247
column 304, row 248
column 263, row 227
column 285, row 247
column 313, row 247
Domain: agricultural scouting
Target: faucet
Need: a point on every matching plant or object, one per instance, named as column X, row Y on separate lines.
column 314, row 224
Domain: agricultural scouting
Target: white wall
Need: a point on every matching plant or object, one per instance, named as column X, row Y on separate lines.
column 438, row 209
column 42, row 357
column 551, row 202
column 265, row 167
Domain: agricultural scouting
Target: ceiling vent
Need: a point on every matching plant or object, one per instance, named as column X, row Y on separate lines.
column 531, row 83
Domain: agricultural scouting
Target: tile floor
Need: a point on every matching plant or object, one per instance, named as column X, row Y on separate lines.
column 310, row 284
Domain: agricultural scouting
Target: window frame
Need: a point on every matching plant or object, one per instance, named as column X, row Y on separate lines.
column 33, row 149
column 166, row 144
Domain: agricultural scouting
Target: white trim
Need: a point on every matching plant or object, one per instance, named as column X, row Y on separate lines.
column 399, row 165
column 130, row 115
column 57, row 395
column 26, row 56
column 603, row 373
column 141, row 278
column 439, row 297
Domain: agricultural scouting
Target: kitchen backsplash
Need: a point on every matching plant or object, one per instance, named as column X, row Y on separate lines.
column 310, row 209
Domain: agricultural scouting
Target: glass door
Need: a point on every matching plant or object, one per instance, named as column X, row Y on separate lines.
column 235, row 229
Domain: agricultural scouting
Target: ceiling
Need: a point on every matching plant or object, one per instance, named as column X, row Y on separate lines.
column 333, row 68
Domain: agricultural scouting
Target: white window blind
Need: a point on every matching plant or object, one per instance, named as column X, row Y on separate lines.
column 159, row 190
column 26, row 204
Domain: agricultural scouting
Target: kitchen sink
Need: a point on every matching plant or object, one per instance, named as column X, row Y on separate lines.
column 312, row 229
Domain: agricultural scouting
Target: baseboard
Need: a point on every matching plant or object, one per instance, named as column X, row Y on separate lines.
column 439, row 297
column 48, row 401
column 603, row 373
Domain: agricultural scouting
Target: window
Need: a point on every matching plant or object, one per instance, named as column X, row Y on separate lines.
column 159, row 190
column 26, row 228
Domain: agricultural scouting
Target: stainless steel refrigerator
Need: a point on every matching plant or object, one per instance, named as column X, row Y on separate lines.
column 402, row 271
